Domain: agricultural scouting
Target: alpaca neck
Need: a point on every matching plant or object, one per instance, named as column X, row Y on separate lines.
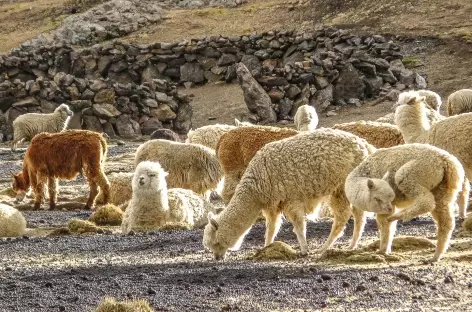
column 25, row 180
column 413, row 123
column 358, row 192
column 239, row 216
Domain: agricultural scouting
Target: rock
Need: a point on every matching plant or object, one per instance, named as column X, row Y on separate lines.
column 256, row 99
column 149, row 73
column 354, row 101
column 126, row 127
column 105, row 96
column 367, row 68
column 387, row 76
column 105, row 111
column 331, row 113
column 285, row 107
column 407, row 77
column 183, row 121
column 420, row 82
column 349, row 84
column 98, row 85
column 192, row 72
column 320, row 82
column 26, row 102
column 207, row 63
column 323, row 98
column 150, row 125
column 79, row 105
column 404, row 276
column 163, row 113
column 372, row 86
column 272, row 81
column 87, row 95
column 293, row 58
column 392, row 95
column 91, row 123
column 230, row 73
column 150, row 103
column 293, row 91
column 276, row 95
column 212, row 77
column 253, row 64
column 227, row 59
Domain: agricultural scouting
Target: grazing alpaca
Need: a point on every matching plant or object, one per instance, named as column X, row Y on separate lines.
column 63, row 155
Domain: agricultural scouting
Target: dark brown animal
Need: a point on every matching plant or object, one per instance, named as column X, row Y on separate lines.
column 63, row 155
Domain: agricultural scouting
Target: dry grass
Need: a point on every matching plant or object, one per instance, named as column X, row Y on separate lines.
column 406, row 243
column 467, row 224
column 175, row 226
column 276, row 251
column 107, row 215
column 81, row 226
column 111, row 305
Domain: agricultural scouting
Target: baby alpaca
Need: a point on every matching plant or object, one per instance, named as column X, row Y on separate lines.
column 417, row 179
column 306, row 118
column 149, row 205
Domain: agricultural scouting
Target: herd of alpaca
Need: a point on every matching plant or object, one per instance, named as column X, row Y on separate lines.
column 399, row 167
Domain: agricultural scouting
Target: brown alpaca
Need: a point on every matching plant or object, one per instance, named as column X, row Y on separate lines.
column 63, row 155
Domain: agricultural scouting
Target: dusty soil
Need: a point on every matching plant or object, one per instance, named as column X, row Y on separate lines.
column 171, row 269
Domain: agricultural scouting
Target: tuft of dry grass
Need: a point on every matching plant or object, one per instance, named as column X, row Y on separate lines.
column 276, row 251
column 173, row 226
column 406, row 243
column 467, row 224
column 60, row 232
column 81, row 226
column 110, row 304
column 107, row 215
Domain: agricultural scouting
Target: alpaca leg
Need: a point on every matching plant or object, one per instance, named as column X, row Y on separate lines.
column 38, row 188
column 104, row 185
column 273, row 223
column 296, row 215
column 341, row 210
column 463, row 198
column 52, row 188
column 93, row 193
column 387, row 231
column 445, row 223
column 359, row 224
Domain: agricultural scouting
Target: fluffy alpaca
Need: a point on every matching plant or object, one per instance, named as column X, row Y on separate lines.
column 26, row 126
column 63, row 155
column 432, row 99
column 306, row 118
column 187, row 207
column 423, row 179
column 416, row 128
column 190, row 166
column 380, row 135
column 237, row 147
column 291, row 176
column 12, row 222
column 120, row 189
column 459, row 102
column 149, row 205
column 208, row 135
column 165, row 134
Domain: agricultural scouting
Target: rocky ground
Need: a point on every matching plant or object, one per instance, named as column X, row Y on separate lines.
column 73, row 273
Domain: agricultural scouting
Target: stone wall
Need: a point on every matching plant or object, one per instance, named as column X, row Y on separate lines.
column 323, row 68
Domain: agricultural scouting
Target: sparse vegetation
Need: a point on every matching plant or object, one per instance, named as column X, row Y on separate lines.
column 276, row 251
column 411, row 61
column 107, row 215
column 81, row 226
column 111, row 305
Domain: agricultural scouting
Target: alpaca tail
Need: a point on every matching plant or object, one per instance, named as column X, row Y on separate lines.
column 104, row 144
column 449, row 107
column 454, row 173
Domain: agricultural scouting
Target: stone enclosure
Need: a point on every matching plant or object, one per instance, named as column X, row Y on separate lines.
column 130, row 89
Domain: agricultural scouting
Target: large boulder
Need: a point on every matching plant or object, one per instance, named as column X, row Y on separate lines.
column 256, row 99
column 127, row 127
column 192, row 72
column 349, row 85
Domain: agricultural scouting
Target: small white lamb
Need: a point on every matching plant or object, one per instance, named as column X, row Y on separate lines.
column 26, row 126
column 417, row 179
column 306, row 118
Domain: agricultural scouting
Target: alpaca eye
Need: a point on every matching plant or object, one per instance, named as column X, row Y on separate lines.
column 152, row 175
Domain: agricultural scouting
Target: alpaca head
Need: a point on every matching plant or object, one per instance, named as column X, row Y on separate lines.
column 149, row 176
column 19, row 183
column 380, row 195
column 210, row 239
column 64, row 110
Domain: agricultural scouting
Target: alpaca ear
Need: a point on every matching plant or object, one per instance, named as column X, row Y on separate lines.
column 411, row 100
column 237, row 122
column 165, row 173
column 370, row 184
column 386, row 175
column 212, row 221
column 219, row 210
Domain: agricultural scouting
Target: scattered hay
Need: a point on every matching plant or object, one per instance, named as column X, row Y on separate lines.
column 406, row 243
column 276, row 251
column 111, row 305
column 81, row 226
column 467, row 224
column 175, row 226
column 366, row 257
column 465, row 258
column 337, row 254
column 107, row 215
column 60, row 232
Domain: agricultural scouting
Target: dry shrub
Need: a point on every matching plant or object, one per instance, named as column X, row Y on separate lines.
column 276, row 251
column 81, row 226
column 107, row 215
column 467, row 224
column 111, row 305
column 366, row 257
column 406, row 243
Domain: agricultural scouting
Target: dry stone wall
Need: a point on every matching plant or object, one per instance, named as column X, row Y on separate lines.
column 323, row 68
